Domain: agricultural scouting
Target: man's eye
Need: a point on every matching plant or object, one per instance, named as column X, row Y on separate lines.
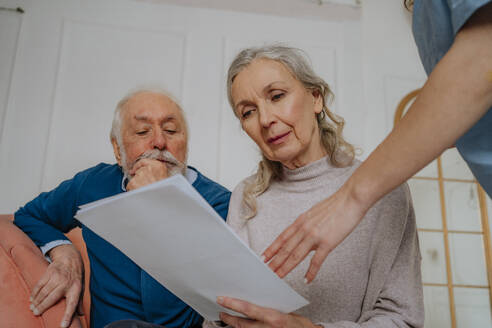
column 142, row 133
column 170, row 131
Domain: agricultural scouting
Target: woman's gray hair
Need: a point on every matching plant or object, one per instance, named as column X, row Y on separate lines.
column 340, row 152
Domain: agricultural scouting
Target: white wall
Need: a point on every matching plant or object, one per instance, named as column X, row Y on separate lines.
column 391, row 64
column 65, row 64
column 69, row 62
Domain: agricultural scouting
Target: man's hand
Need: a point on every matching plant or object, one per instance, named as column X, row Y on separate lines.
column 146, row 171
column 64, row 277
column 259, row 316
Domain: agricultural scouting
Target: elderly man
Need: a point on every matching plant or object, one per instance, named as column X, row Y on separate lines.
column 149, row 138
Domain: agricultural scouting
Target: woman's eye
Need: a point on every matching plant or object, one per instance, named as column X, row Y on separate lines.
column 246, row 113
column 277, row 96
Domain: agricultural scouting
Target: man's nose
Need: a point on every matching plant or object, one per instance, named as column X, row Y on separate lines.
column 159, row 140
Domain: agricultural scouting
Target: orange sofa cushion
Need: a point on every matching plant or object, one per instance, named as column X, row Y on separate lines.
column 21, row 266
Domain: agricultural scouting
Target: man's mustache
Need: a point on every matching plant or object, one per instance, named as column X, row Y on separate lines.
column 160, row 155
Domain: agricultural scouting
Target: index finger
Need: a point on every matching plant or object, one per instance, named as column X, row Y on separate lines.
column 43, row 281
column 285, row 236
column 141, row 163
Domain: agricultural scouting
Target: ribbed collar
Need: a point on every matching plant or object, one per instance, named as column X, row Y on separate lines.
column 311, row 175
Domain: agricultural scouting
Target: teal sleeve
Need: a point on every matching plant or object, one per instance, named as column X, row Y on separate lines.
column 47, row 217
column 462, row 10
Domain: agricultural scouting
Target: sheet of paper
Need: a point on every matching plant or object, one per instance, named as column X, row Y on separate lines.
column 171, row 232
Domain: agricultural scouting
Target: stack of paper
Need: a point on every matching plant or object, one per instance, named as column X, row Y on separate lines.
column 172, row 233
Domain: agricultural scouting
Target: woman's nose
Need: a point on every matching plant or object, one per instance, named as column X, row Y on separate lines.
column 267, row 117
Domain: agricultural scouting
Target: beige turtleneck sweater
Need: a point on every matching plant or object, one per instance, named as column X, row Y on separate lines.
column 372, row 279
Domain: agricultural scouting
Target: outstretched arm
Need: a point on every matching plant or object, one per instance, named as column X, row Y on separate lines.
column 457, row 94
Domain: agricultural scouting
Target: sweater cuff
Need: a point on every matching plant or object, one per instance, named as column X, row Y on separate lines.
column 52, row 244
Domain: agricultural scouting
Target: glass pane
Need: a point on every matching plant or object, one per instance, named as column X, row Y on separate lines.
column 430, row 171
column 467, row 259
column 433, row 257
column 462, row 206
column 453, row 165
column 426, row 202
column 472, row 307
column 436, row 302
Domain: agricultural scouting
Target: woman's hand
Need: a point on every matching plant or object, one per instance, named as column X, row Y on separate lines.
column 259, row 316
column 320, row 229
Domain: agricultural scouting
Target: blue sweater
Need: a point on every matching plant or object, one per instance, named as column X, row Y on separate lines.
column 119, row 288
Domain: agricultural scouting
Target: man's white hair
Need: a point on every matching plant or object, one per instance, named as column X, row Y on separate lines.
column 115, row 133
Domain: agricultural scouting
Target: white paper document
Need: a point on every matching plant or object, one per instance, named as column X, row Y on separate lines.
column 172, row 233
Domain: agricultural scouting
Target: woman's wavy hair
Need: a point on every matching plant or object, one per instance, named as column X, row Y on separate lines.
column 340, row 152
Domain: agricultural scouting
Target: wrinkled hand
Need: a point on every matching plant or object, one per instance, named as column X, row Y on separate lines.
column 320, row 229
column 64, row 277
column 146, row 171
column 259, row 316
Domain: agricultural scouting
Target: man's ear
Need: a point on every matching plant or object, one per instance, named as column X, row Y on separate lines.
column 116, row 150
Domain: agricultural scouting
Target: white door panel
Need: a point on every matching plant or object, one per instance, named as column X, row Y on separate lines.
column 10, row 24
column 9, row 31
column 98, row 66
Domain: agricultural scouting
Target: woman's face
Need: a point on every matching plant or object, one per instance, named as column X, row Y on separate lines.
column 278, row 113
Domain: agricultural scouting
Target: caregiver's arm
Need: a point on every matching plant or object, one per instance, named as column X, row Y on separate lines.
column 457, row 94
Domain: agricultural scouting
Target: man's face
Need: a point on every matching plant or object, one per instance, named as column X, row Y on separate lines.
column 150, row 122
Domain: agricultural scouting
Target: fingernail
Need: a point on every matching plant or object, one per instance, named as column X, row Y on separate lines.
column 220, row 299
column 64, row 324
column 305, row 281
column 35, row 311
column 31, row 307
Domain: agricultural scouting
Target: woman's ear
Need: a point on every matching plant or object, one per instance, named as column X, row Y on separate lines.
column 318, row 101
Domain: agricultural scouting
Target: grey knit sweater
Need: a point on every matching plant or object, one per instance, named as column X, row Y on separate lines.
column 372, row 279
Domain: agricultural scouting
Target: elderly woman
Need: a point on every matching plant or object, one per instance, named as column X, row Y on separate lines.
column 372, row 279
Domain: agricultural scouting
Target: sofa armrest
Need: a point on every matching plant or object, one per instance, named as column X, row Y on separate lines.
column 75, row 236
column 21, row 266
